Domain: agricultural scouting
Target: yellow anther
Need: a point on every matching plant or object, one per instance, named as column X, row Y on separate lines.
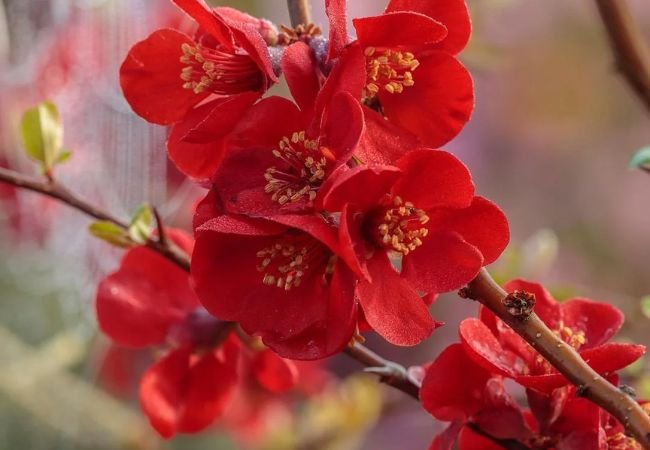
column 390, row 69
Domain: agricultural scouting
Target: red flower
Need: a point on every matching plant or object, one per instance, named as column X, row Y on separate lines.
column 423, row 210
column 147, row 302
column 282, row 153
column 410, row 71
column 225, row 68
column 484, row 416
column 282, row 280
column 584, row 324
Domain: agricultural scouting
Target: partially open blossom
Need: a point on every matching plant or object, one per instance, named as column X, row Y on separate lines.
column 410, row 73
column 424, row 211
column 584, row 324
column 148, row 302
column 284, row 281
column 224, row 68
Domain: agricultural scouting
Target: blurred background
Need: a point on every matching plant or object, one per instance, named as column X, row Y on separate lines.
column 553, row 130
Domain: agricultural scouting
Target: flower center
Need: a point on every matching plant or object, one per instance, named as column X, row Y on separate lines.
column 217, row 71
column 304, row 165
column 399, row 226
column 620, row 441
column 389, row 70
column 286, row 263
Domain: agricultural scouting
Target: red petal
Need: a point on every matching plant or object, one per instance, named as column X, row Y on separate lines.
column 180, row 395
column 198, row 161
column 447, row 439
column 207, row 20
column 603, row 359
column 343, row 126
column 440, row 103
column 300, row 70
column 267, row 122
column 453, row 14
column 401, row 28
column 392, row 307
column 482, row 224
column 332, row 333
column 207, row 209
column 232, row 288
column 353, row 247
column 220, row 119
column 150, row 78
column 360, row 187
column 348, row 75
column 599, row 321
column 444, row 262
column 545, row 305
column 383, row 142
column 338, row 36
column 250, row 40
column 453, row 386
column 274, row 373
column 484, row 348
column 434, row 179
column 137, row 304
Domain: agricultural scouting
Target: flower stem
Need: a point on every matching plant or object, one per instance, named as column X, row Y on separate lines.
column 299, row 12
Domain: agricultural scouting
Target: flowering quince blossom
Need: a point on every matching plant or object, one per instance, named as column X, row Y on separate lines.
column 483, row 415
column 406, row 59
column 208, row 80
column 282, row 153
column 423, row 210
column 285, row 280
column 584, row 324
column 149, row 302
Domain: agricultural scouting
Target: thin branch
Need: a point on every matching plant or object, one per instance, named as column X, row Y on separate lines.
column 299, row 12
column 160, row 226
column 389, row 372
column 632, row 54
column 566, row 360
column 54, row 189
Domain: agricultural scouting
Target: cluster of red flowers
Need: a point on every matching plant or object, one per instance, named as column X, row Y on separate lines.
column 327, row 216
column 465, row 384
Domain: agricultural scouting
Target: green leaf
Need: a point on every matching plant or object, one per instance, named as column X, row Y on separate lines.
column 111, row 233
column 141, row 226
column 42, row 134
column 641, row 159
column 645, row 306
column 64, row 156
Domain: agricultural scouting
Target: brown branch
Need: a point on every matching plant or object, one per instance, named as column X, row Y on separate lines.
column 508, row 444
column 566, row 360
column 389, row 372
column 631, row 52
column 299, row 12
column 54, row 189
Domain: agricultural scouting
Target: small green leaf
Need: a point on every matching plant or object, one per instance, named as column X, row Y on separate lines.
column 645, row 306
column 641, row 159
column 64, row 156
column 42, row 134
column 111, row 233
column 141, row 226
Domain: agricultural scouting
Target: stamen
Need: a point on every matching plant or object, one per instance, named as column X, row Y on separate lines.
column 217, row 71
column 286, row 263
column 389, row 70
column 575, row 338
column 400, row 227
column 304, row 169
